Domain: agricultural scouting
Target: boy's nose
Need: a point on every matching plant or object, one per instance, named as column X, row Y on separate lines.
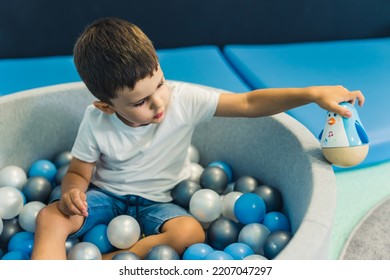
column 157, row 101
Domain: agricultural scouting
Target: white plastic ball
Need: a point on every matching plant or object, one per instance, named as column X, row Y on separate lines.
column 196, row 171
column 193, row 153
column 11, row 202
column 28, row 215
column 206, row 205
column 255, row 257
column 123, row 231
column 12, row 176
column 228, row 205
column 84, row 251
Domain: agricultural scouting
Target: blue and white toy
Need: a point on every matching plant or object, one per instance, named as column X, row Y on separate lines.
column 344, row 141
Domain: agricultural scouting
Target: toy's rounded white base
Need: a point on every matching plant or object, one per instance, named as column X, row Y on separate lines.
column 346, row 156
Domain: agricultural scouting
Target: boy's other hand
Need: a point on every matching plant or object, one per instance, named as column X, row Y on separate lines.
column 74, row 202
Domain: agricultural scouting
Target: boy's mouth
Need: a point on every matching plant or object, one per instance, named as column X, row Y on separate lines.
column 159, row 115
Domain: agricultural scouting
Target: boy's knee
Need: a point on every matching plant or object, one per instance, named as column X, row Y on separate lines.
column 189, row 231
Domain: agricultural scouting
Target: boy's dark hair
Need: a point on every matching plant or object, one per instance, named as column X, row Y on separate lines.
column 112, row 54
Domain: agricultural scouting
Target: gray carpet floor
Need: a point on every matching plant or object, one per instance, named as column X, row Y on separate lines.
column 371, row 238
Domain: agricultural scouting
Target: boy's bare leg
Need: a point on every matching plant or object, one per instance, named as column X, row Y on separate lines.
column 179, row 233
column 51, row 233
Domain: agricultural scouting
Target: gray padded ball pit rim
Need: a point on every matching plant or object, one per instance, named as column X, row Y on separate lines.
column 39, row 123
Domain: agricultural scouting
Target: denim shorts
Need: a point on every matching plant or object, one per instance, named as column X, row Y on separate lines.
column 104, row 206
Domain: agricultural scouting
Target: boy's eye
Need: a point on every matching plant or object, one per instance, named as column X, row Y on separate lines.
column 140, row 103
column 160, row 84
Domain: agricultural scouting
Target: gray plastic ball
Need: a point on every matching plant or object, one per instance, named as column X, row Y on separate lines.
column 61, row 173
column 37, row 188
column 10, row 228
column 254, row 235
column 126, row 256
column 162, row 252
column 62, row 158
column 246, row 184
column 214, row 178
column 182, row 192
column 275, row 243
column 271, row 196
column 221, row 233
column 84, row 251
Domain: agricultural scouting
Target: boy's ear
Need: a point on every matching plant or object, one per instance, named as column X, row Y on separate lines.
column 104, row 107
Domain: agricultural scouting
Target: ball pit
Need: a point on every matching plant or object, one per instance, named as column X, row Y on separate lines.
column 277, row 150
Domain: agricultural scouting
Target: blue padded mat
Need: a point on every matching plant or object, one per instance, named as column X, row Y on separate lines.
column 355, row 64
column 204, row 65
column 27, row 73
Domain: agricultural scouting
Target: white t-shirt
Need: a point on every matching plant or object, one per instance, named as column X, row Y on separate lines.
column 149, row 160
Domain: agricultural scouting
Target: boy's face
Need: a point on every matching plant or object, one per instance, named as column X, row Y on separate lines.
column 144, row 104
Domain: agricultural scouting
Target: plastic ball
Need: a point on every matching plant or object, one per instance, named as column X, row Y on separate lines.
column 238, row 250
column 196, row 171
column 249, row 208
column 197, row 251
column 205, row 205
column 84, row 251
column 228, row 202
column 221, row 233
column 12, row 176
column 55, row 193
column 275, row 243
column 37, row 189
column 1, row 226
column 129, row 256
column 214, row 178
column 61, row 172
column 162, row 252
column 123, row 231
column 98, row 236
column 225, row 167
column 182, row 192
column 15, row 255
column 29, row 214
column 246, row 184
column 276, row 221
column 70, row 242
column 62, row 158
column 254, row 235
column 218, row 255
column 44, row 168
column 22, row 241
column 10, row 228
column 255, row 257
column 193, row 153
column 271, row 196
column 11, row 202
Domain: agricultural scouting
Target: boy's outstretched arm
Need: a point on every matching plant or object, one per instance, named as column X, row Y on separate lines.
column 265, row 102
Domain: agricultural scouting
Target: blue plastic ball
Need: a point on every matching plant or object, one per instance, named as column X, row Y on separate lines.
column 44, row 168
column 218, row 255
column 249, row 208
column 15, row 255
column 98, row 236
column 225, row 167
column 238, row 250
column 197, row 251
column 276, row 221
column 22, row 241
